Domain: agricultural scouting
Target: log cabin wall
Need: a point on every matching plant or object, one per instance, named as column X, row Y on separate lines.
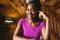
column 52, row 10
column 13, row 9
column 16, row 9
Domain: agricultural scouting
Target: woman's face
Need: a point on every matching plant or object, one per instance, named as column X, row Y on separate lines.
column 31, row 11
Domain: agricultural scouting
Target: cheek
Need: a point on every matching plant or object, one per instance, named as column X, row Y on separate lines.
column 26, row 12
column 33, row 12
column 28, row 15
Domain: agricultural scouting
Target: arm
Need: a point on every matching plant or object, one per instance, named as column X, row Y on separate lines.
column 45, row 30
column 17, row 37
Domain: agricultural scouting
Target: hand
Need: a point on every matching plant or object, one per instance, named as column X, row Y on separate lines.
column 42, row 15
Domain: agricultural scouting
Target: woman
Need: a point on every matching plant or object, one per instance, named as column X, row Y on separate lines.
column 32, row 26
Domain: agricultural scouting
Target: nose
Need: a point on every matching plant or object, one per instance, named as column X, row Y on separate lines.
column 30, row 12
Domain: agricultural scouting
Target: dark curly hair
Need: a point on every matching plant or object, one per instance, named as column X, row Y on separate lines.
column 36, row 3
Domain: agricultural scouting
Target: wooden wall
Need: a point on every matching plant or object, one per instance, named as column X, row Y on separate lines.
column 16, row 9
column 52, row 9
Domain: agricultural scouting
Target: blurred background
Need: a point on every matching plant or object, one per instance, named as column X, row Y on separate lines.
column 12, row 10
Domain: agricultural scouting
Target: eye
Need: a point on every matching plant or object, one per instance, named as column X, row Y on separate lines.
column 34, row 10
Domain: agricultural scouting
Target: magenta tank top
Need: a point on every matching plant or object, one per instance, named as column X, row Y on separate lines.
column 30, row 31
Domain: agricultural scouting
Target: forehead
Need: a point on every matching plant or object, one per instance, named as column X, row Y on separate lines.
column 31, row 5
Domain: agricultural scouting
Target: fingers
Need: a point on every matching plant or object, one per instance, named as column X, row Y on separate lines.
column 42, row 15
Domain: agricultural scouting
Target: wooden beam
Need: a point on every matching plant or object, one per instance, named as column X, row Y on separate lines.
column 19, row 10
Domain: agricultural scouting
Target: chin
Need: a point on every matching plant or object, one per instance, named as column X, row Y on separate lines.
column 29, row 18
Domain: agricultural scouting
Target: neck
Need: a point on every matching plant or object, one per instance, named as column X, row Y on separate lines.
column 32, row 23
